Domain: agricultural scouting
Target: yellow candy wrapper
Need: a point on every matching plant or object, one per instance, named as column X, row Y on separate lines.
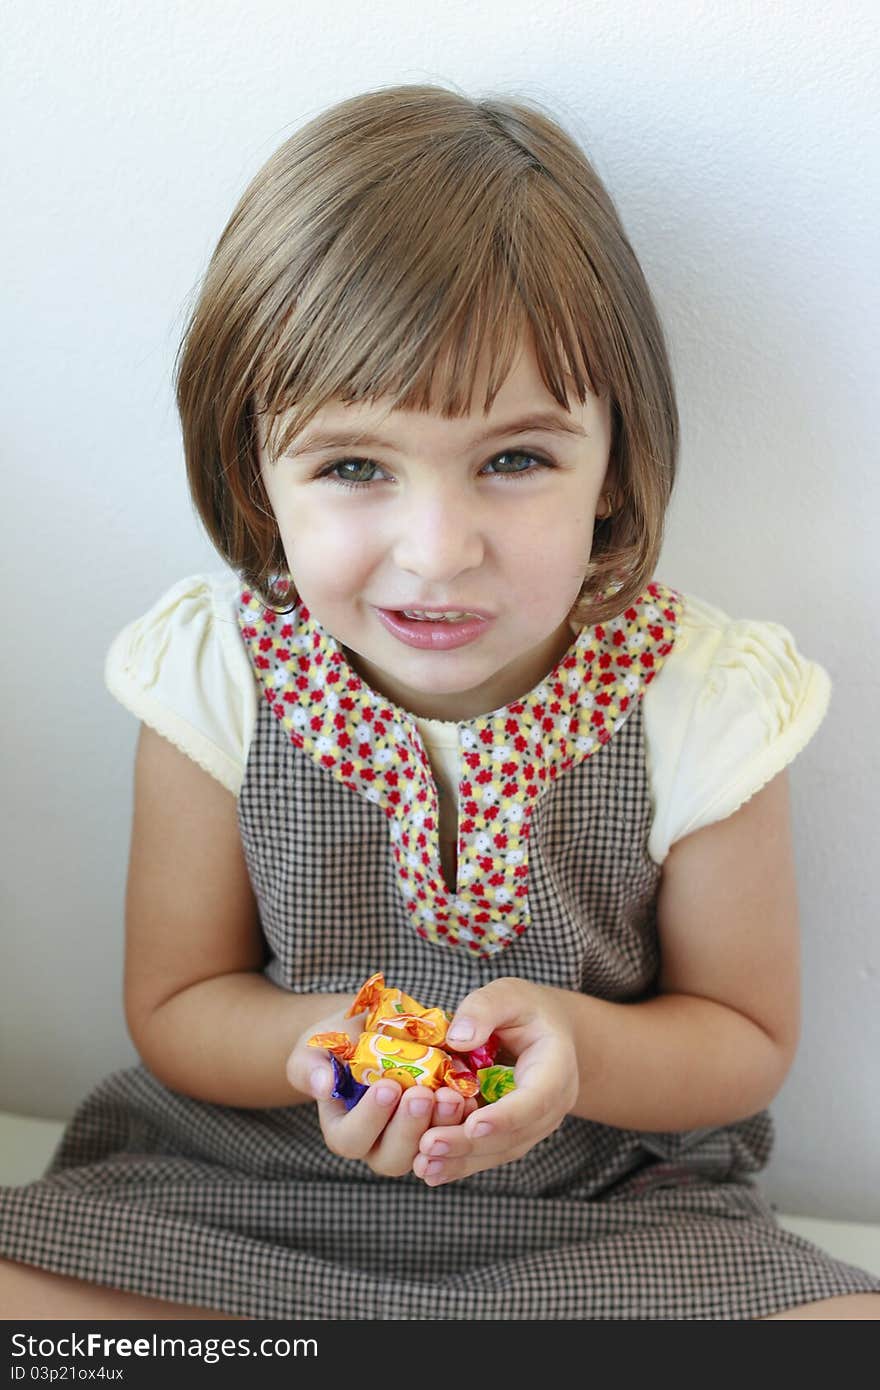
column 376, row 1056
column 395, row 1013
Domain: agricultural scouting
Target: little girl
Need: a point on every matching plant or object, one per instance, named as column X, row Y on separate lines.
column 439, row 720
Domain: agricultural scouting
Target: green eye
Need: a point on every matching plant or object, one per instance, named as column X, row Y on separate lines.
column 353, row 470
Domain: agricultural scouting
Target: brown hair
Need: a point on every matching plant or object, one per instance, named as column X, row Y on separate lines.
column 390, row 241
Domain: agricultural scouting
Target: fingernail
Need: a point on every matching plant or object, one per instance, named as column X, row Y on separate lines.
column 433, row 1167
column 438, row 1148
column 386, row 1095
column 462, row 1030
column 446, row 1109
column 419, row 1108
column 481, row 1130
column 320, row 1083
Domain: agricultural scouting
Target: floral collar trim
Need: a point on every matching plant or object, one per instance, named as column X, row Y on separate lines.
column 509, row 757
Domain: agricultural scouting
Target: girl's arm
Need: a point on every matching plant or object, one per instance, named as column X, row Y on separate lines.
column 716, row 1043
column 200, row 1013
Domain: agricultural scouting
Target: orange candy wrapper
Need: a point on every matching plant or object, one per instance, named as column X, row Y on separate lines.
column 374, row 1056
column 395, row 1013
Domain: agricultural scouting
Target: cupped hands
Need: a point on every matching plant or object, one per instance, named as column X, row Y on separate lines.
column 534, row 1027
column 387, row 1125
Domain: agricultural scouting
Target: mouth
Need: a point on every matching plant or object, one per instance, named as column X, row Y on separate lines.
column 440, row 629
column 423, row 615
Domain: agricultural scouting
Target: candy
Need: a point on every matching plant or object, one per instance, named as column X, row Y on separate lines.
column 405, row 1042
column 374, row 1056
column 395, row 1013
column 484, row 1055
column 495, row 1082
column 345, row 1088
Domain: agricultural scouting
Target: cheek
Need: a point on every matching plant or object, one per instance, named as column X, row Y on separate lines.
column 324, row 547
column 553, row 545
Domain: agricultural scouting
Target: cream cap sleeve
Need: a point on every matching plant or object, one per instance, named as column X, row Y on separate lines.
column 182, row 668
column 734, row 703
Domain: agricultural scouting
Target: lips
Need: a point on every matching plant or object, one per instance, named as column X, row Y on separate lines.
column 433, row 635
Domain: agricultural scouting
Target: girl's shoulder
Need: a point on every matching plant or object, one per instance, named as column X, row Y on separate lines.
column 734, row 703
column 182, row 668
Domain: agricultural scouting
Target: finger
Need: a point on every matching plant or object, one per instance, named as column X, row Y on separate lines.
column 450, row 1110
column 353, row 1133
column 447, row 1153
column 486, row 1138
column 529, row 1112
column 500, row 1004
column 309, row 1072
column 450, row 1107
column 454, row 1145
column 308, row 1068
column 393, row 1153
column 434, row 1170
column 445, row 1135
column 519, row 1118
column 451, row 1142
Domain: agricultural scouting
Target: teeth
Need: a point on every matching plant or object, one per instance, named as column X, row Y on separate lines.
column 427, row 616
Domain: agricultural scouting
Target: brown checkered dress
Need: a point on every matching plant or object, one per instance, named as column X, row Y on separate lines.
column 247, row 1211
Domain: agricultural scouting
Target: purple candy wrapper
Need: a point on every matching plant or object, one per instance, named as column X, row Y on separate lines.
column 345, row 1088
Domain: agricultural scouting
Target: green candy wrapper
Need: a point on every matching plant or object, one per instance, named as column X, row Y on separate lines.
column 495, row 1081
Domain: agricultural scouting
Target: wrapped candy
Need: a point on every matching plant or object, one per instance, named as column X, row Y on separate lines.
column 484, row 1055
column 404, row 1041
column 395, row 1013
column 391, row 1011
column 495, row 1082
column 374, row 1056
column 345, row 1088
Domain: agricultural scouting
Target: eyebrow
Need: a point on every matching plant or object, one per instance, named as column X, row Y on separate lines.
column 543, row 421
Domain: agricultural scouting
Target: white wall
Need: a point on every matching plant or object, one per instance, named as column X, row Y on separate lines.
column 740, row 142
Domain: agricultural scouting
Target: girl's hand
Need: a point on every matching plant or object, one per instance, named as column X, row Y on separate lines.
column 533, row 1025
column 385, row 1127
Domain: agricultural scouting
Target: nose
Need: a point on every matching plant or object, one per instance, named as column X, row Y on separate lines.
column 439, row 536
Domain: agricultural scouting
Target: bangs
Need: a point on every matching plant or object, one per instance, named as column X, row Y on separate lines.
column 457, row 282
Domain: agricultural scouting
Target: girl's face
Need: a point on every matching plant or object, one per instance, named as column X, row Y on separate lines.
column 488, row 515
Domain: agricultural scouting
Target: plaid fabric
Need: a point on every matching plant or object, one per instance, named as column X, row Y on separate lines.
column 247, row 1211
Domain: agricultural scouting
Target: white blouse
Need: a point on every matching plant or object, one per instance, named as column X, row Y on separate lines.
column 733, row 704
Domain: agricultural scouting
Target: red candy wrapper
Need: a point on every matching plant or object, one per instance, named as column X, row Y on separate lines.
column 483, row 1056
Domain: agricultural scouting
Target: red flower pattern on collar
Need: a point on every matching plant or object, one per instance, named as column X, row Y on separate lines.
column 509, row 757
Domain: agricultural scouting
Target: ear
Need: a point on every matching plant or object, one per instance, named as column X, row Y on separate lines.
column 611, row 480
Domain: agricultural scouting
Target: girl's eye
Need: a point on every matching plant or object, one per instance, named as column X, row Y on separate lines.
column 357, row 473
column 516, row 464
column 352, row 471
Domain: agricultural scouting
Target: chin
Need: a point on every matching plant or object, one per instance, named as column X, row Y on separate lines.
column 428, row 685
